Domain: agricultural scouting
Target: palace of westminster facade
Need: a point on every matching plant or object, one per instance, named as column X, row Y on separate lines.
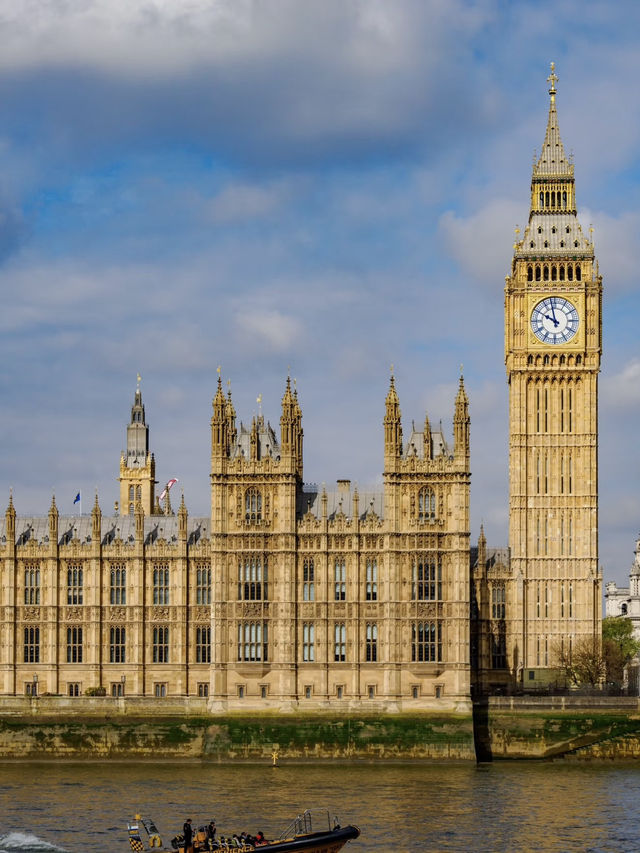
column 287, row 596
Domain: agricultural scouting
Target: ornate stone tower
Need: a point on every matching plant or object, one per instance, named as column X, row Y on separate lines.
column 553, row 341
column 137, row 465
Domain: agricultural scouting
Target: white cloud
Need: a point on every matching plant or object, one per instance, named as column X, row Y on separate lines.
column 239, row 202
column 483, row 242
column 268, row 329
column 616, row 246
column 622, row 390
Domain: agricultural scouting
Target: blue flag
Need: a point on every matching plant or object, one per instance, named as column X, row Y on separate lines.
column 77, row 498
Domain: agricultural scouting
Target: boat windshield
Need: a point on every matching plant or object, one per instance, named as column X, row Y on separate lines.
column 311, row 820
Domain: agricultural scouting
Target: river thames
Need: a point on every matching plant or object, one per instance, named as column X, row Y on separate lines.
column 45, row 808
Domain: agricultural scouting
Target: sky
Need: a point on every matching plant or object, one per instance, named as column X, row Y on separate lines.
column 322, row 188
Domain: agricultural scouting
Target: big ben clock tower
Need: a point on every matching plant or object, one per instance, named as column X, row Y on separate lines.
column 553, row 342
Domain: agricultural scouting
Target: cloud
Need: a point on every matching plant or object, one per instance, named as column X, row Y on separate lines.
column 269, row 330
column 239, row 202
column 482, row 243
column 615, row 238
column 622, row 390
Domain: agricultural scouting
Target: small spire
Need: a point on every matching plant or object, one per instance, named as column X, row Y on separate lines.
column 552, row 79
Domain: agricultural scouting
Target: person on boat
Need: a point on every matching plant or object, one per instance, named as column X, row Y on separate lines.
column 187, row 831
column 260, row 839
column 211, row 833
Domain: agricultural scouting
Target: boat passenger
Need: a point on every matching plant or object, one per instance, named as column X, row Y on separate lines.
column 211, row 833
column 187, row 831
column 260, row 839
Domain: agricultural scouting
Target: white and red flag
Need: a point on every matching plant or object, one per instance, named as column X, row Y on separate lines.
column 171, row 482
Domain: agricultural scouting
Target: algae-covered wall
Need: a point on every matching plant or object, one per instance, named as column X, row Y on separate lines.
column 584, row 728
column 249, row 738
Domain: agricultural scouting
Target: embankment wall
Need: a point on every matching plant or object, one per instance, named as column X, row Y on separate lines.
column 574, row 728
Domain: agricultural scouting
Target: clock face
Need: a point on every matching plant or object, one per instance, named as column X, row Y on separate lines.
column 554, row 320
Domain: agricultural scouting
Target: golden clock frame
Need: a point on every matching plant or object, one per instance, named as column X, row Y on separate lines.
column 577, row 342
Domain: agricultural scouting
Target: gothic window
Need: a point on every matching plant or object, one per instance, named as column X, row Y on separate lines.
column 161, row 644
column 570, row 272
column 372, row 642
column 541, row 199
column 570, row 599
column 117, row 645
column 252, row 578
column 161, row 584
column 253, row 505
column 203, row 644
column 131, row 493
column 562, row 601
column 564, row 199
column 529, row 273
column 498, row 601
column 32, row 584
column 74, row 584
column 537, row 269
column 252, row 641
column 74, row 645
column 427, row 579
column 578, row 272
column 118, row 589
column 546, row 273
column 371, row 591
column 203, row 585
column 340, row 641
column 426, row 642
column 554, row 273
column 340, row 579
column 498, row 651
column 426, row 504
column 308, row 642
column 31, row 644
column 203, row 689
column 308, row 580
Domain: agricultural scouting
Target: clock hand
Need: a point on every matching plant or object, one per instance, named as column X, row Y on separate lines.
column 553, row 320
column 553, row 311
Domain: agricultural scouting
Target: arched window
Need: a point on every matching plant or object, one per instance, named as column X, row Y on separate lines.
column 564, row 199
column 554, row 273
column 537, row 272
column 561, row 272
column 570, row 272
column 426, row 504
column 541, row 199
column 529, row 273
column 253, row 505
column 578, row 272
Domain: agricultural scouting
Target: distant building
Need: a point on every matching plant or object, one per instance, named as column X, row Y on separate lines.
column 625, row 600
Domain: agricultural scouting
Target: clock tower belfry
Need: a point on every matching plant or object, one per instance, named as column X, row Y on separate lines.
column 553, row 344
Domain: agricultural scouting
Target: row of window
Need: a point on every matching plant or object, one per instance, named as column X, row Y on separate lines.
column 160, row 690
column 117, row 644
column 554, row 272
column 560, row 399
column 544, row 537
column 543, row 478
column 252, row 582
column 253, row 644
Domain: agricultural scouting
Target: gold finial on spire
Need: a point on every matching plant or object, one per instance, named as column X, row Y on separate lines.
column 138, row 380
column 552, row 79
column 218, row 370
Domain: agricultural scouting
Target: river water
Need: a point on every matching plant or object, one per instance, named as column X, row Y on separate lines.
column 83, row 808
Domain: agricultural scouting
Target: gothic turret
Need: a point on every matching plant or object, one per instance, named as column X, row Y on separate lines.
column 392, row 425
column 96, row 521
column 461, row 423
column 137, row 465
column 291, row 429
column 219, row 423
column 53, row 521
column 10, row 520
